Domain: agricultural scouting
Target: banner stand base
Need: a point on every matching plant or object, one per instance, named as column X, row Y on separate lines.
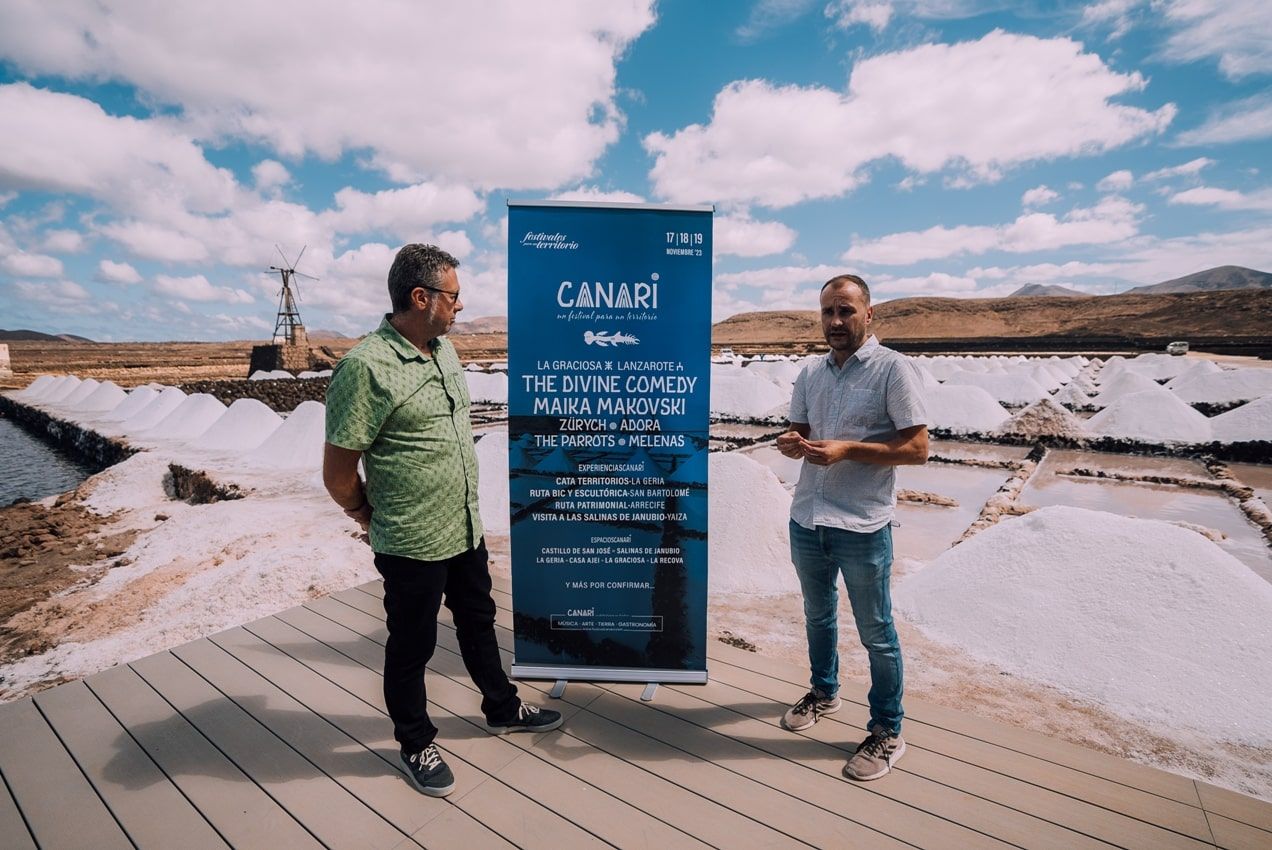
column 650, row 690
column 558, row 689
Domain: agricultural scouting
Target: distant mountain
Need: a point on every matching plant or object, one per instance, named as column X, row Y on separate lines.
column 1211, row 280
column 1047, row 290
column 482, row 325
column 36, row 336
column 322, row 333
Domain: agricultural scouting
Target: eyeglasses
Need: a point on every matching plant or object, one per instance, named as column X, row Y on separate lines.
column 454, row 295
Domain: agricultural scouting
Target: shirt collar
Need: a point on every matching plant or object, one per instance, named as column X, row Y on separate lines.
column 868, row 349
column 403, row 346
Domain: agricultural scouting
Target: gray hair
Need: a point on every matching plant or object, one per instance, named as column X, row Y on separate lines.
column 414, row 266
column 844, row 280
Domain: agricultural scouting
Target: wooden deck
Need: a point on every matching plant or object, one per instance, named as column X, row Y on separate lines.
column 273, row 735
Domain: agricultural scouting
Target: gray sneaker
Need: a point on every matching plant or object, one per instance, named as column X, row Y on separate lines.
column 875, row 756
column 428, row 773
column 809, row 710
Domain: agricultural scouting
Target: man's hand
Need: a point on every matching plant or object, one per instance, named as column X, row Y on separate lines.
column 791, row 444
column 826, row 452
column 362, row 515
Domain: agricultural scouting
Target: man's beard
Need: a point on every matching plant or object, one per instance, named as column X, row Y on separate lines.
column 847, row 341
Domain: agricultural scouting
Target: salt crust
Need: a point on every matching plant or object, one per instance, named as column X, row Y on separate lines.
column 1152, row 620
column 748, row 528
column 490, row 387
column 1156, row 415
column 297, row 443
column 492, row 480
column 1044, row 418
column 739, row 393
column 244, row 426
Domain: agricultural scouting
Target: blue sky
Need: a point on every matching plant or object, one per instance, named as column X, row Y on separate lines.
column 155, row 153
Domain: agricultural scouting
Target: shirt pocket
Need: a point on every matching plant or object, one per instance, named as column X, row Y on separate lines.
column 862, row 408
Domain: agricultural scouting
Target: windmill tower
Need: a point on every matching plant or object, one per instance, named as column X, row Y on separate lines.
column 288, row 328
column 289, row 347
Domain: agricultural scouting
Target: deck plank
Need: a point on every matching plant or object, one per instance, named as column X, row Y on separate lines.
column 38, row 769
column 1234, row 835
column 1027, row 784
column 1238, row 807
column 151, row 810
column 330, row 813
column 380, row 781
column 235, row 806
column 14, row 834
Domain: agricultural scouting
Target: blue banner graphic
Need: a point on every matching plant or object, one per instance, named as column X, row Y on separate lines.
column 609, row 338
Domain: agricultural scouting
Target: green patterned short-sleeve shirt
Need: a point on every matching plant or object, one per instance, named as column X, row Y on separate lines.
column 408, row 414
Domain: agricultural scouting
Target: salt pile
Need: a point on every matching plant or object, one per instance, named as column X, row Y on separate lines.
column 107, row 396
column 1154, row 416
column 60, row 389
column 492, row 481
column 1123, row 385
column 137, row 399
column 746, row 395
column 36, row 388
column 1044, row 418
column 81, row 392
column 1153, row 620
column 275, row 375
column 1198, row 369
column 244, row 426
column 1158, row 366
column 1008, row 389
column 1234, row 385
column 487, row 387
column 192, row 417
column 747, row 530
column 781, row 372
column 1250, row 421
column 154, row 412
column 297, row 443
column 1071, row 396
column 963, row 409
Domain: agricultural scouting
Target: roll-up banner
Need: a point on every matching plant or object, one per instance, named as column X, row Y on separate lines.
column 609, row 344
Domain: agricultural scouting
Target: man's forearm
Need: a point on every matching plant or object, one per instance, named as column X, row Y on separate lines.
column 906, row 453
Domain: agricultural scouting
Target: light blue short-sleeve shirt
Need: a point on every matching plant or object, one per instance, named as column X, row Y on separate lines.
column 876, row 393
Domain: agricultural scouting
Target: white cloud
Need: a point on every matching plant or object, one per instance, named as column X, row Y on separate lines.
column 768, row 15
column 113, row 272
column 62, row 296
column 1237, row 32
column 63, row 241
column 595, row 193
column 1038, row 196
column 1227, row 199
column 872, row 13
column 403, row 213
column 156, row 242
column 1188, row 169
column 1116, row 182
column 63, row 143
column 197, row 288
column 1115, row 14
column 972, row 106
column 778, row 276
column 1044, row 272
column 270, row 174
column 393, row 79
column 937, row 284
column 742, row 236
column 1113, row 219
column 22, row 264
column 1241, row 121
column 1153, row 260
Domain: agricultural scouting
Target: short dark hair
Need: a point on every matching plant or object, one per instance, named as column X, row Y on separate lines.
column 414, row 266
column 844, row 280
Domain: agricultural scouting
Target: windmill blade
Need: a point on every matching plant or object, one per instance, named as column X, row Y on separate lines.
column 298, row 256
column 302, row 274
column 286, row 262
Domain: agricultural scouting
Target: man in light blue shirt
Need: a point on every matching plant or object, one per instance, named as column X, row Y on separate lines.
column 855, row 415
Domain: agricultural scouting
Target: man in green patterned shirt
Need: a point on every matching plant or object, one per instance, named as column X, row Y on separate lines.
column 399, row 403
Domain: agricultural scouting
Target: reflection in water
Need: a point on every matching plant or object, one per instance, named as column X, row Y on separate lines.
column 31, row 469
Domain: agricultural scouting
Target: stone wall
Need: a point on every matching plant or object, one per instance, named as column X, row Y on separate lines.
column 92, row 449
column 281, row 396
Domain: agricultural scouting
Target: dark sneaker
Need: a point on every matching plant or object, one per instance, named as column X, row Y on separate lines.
column 875, row 755
column 528, row 719
column 429, row 774
column 809, row 709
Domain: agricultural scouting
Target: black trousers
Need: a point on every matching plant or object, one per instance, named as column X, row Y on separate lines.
column 413, row 592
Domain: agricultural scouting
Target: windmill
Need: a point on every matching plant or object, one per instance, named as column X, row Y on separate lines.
column 288, row 328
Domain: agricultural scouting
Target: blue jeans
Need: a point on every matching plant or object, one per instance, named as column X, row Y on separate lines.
column 866, row 563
